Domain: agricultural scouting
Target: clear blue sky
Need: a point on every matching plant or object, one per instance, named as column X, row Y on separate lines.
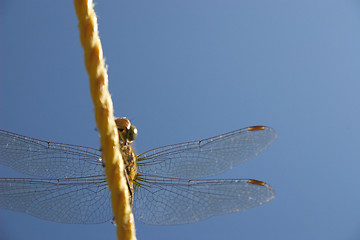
column 185, row 70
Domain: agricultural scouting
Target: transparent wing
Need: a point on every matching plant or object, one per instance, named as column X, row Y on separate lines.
column 206, row 157
column 77, row 200
column 47, row 159
column 75, row 190
column 169, row 201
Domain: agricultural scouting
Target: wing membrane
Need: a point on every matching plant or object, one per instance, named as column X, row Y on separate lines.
column 208, row 157
column 74, row 188
column 47, row 159
column 169, row 201
column 78, row 200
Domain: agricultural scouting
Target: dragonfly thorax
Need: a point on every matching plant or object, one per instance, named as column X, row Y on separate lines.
column 129, row 158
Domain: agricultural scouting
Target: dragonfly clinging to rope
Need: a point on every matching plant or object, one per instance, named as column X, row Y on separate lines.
column 168, row 185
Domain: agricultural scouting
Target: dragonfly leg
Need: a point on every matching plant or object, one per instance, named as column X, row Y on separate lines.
column 131, row 199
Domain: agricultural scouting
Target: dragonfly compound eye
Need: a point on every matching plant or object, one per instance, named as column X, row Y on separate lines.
column 123, row 126
column 132, row 133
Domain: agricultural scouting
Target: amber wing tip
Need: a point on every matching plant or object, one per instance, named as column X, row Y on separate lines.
column 257, row 182
column 256, row 128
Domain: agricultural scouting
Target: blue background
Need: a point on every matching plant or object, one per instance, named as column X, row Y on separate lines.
column 191, row 69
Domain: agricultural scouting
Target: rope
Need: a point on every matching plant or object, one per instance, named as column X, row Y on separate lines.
column 114, row 167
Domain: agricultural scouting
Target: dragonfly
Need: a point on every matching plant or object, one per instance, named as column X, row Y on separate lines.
column 169, row 185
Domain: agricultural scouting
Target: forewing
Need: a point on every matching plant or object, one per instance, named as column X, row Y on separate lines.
column 165, row 201
column 47, row 159
column 80, row 200
column 206, row 157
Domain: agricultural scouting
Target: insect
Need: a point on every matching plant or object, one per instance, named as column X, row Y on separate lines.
column 168, row 185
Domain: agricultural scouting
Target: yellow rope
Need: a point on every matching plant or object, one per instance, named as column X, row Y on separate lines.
column 114, row 167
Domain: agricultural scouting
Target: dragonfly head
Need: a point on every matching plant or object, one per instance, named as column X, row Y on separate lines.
column 127, row 131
